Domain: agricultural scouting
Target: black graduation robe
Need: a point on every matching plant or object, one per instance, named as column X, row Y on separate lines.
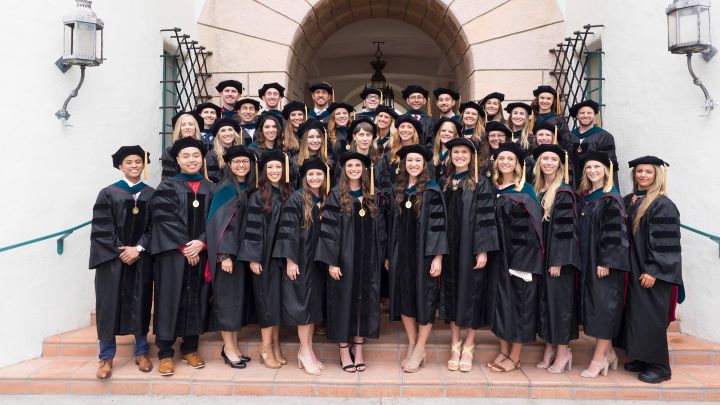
column 513, row 301
column 248, row 132
column 427, row 122
column 472, row 229
column 439, row 168
column 340, row 145
column 323, row 117
column 232, row 299
column 603, row 232
column 559, row 304
column 416, row 235
column 357, row 245
column 578, row 145
column 214, row 172
column 302, row 298
column 123, row 294
column 654, row 250
column 559, row 122
column 169, row 165
column 257, row 243
column 181, row 294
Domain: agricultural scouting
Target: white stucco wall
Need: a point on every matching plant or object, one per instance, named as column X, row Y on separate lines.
column 653, row 109
column 51, row 173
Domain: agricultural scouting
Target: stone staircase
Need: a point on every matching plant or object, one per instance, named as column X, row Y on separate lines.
column 69, row 362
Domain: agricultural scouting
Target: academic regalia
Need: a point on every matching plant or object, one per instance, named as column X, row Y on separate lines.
column 123, row 292
column 512, row 300
column 438, row 172
column 654, row 250
column 578, row 145
column 207, row 137
column 214, row 173
column 427, row 122
column 232, row 300
column 169, row 164
column 248, row 132
column 603, row 232
column 302, row 298
column 462, row 295
column 415, row 238
column 368, row 114
column 324, row 116
column 555, row 120
column 356, row 244
column 256, row 246
column 559, row 304
column 340, row 145
column 181, row 300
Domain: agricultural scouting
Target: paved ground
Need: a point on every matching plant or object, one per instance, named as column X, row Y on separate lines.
column 265, row 400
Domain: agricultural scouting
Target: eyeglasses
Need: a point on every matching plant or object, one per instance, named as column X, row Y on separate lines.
column 244, row 162
column 416, row 98
column 372, row 97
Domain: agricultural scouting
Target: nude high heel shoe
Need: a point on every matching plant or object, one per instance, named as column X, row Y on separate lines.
column 454, row 365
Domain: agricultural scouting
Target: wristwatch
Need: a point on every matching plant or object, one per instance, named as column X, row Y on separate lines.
column 140, row 248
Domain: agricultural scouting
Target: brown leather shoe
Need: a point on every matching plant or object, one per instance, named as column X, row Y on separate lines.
column 104, row 369
column 143, row 362
column 194, row 360
column 166, row 367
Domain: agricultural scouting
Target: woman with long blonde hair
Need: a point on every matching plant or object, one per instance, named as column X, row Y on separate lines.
column 408, row 133
column 520, row 123
column 385, row 120
column 604, row 255
column 445, row 130
column 473, row 125
column 558, row 298
column 226, row 133
column 656, row 271
column 492, row 108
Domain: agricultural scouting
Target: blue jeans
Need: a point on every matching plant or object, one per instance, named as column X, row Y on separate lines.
column 109, row 347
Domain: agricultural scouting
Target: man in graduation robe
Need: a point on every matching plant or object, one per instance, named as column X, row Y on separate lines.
column 123, row 278
column 230, row 91
column 372, row 99
column 247, row 110
column 416, row 97
column 271, row 94
column 321, row 94
column 445, row 100
column 587, row 137
column 179, row 209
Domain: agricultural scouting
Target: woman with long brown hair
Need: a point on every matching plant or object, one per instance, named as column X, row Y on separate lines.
column 337, row 127
column 267, row 135
column 352, row 243
column 473, row 125
column 294, row 113
column 492, row 107
column 409, row 131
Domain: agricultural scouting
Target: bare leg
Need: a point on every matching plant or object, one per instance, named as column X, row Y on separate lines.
column 358, row 353
column 276, row 345
column 410, row 329
column 423, row 336
column 548, row 357
column 512, row 361
column 230, row 347
column 317, row 361
column 454, row 339
column 304, row 355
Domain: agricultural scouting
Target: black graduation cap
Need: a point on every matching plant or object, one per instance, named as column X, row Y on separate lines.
column 368, row 91
column 461, row 141
column 544, row 89
column 293, row 106
column 556, row 149
column 310, row 124
column 597, row 156
column 273, row 85
column 200, row 107
column 125, row 151
column 443, row 120
column 511, row 147
column 470, row 104
column 266, row 117
column 412, row 89
column 648, row 160
column 497, row 126
column 271, row 155
column 312, row 163
column 335, row 106
column 355, row 123
column 408, row 118
column 229, row 83
column 187, row 142
column 387, row 110
column 494, row 94
column 543, row 125
column 419, row 149
column 321, row 86
column 354, row 155
column 198, row 119
column 236, row 151
column 239, row 103
column 513, row 106
column 452, row 93
column 224, row 122
column 585, row 103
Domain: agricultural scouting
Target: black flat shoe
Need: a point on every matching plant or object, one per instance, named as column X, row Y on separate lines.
column 634, row 366
column 233, row 364
column 651, row 377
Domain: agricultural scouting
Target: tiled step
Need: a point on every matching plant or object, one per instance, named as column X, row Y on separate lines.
column 684, row 350
column 381, row 379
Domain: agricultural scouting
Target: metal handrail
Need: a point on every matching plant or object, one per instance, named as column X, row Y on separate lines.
column 60, row 241
column 714, row 238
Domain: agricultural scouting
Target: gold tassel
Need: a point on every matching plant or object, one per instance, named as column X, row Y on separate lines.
column 531, row 121
column 280, row 104
column 145, row 167
column 665, row 172
column 522, row 178
column 372, row 178
column 257, row 174
column 554, row 141
column 381, row 97
column 205, row 168
column 476, row 166
column 287, row 168
column 325, row 149
column 485, row 114
column 599, row 120
column 333, row 96
column 353, row 117
column 458, row 103
column 557, row 105
column 429, row 109
column 327, row 179
column 567, row 169
column 306, row 114
column 610, row 179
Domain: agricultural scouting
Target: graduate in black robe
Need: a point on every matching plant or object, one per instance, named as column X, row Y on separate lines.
column 515, row 269
column 605, row 259
column 179, row 209
column 209, row 113
column 119, row 235
column 417, row 243
column 409, row 132
column 546, row 109
column 185, row 124
column 226, row 133
column 472, row 123
column 322, row 95
column 445, row 130
column 247, row 110
column 313, row 143
column 491, row 106
column 353, row 244
column 586, row 138
column 339, row 121
column 416, row 98
column 384, row 119
column 464, row 278
column 271, row 94
column 558, row 297
column 268, row 135
column 229, row 276
column 303, row 279
column 372, row 99
column 256, row 247
column 656, row 271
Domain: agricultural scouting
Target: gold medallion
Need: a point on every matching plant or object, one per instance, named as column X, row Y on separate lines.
column 135, row 210
column 454, row 187
column 196, row 203
column 397, row 170
column 408, row 204
column 361, row 212
column 579, row 149
column 488, row 174
column 347, row 147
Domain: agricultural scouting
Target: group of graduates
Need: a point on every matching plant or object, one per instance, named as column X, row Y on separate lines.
column 310, row 217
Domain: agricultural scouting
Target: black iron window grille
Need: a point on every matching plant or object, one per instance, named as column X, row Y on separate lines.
column 184, row 83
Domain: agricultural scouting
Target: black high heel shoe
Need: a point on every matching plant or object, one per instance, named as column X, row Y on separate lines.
column 244, row 358
column 359, row 367
column 234, row 364
column 350, row 368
